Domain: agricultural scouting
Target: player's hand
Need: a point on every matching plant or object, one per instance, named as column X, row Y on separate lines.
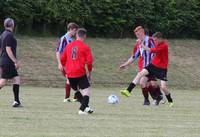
column 123, row 66
column 17, row 65
column 60, row 67
column 89, row 77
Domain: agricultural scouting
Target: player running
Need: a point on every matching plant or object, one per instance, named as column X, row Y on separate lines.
column 147, row 83
column 8, row 60
column 75, row 58
column 158, row 67
column 64, row 41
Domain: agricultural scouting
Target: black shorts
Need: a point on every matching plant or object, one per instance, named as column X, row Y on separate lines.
column 157, row 72
column 79, row 83
column 8, row 72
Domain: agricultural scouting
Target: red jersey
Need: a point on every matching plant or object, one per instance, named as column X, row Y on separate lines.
column 75, row 57
column 161, row 55
column 140, row 61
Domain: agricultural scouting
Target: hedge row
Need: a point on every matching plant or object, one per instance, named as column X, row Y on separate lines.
column 104, row 18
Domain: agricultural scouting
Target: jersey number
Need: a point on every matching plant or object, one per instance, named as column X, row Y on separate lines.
column 74, row 53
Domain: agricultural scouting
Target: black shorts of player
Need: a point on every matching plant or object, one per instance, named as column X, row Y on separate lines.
column 151, row 77
column 79, row 83
column 157, row 72
column 8, row 71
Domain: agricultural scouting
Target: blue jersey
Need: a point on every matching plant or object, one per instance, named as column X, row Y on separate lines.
column 64, row 41
column 146, row 55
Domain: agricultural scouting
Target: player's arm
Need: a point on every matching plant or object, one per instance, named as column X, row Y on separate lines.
column 11, row 56
column 89, row 60
column 130, row 60
column 155, row 49
column 60, row 67
column 63, row 58
column 9, row 51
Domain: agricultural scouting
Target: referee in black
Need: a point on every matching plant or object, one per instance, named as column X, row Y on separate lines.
column 8, row 60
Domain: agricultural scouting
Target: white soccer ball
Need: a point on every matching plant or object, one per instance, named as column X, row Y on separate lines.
column 113, row 99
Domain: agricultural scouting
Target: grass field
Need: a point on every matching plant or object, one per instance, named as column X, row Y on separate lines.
column 39, row 67
column 45, row 115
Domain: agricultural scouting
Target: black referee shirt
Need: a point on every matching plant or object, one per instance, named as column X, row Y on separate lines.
column 7, row 40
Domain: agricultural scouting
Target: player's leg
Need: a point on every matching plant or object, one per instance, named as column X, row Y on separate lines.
column 155, row 92
column 167, row 93
column 74, row 85
column 143, row 84
column 16, row 86
column 85, row 87
column 4, row 76
column 136, row 80
column 67, row 90
column 2, row 83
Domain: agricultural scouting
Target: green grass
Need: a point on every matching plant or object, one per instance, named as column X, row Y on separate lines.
column 39, row 67
column 45, row 115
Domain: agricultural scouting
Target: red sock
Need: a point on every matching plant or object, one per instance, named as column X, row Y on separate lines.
column 145, row 93
column 67, row 90
column 152, row 92
column 158, row 91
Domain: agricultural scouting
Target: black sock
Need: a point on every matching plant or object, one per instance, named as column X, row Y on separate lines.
column 130, row 87
column 79, row 96
column 16, row 92
column 85, row 103
column 169, row 97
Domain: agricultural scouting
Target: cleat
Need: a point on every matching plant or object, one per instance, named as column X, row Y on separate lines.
column 74, row 100
column 154, row 102
column 80, row 112
column 163, row 101
column 158, row 100
column 67, row 100
column 171, row 104
column 126, row 93
column 16, row 104
column 89, row 110
column 146, row 103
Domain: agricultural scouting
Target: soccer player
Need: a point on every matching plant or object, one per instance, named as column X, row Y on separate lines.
column 158, row 67
column 64, row 41
column 147, row 83
column 8, row 60
column 76, row 57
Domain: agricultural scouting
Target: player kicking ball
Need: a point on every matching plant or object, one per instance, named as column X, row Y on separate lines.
column 158, row 67
column 76, row 56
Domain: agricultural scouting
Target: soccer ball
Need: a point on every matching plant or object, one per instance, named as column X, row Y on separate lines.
column 113, row 99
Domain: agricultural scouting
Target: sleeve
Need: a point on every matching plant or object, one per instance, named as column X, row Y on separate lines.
column 63, row 58
column 60, row 45
column 157, row 49
column 152, row 44
column 89, row 59
column 9, row 41
column 135, row 48
column 136, row 55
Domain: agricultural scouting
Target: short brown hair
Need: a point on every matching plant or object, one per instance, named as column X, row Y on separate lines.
column 158, row 35
column 81, row 32
column 138, row 28
column 72, row 25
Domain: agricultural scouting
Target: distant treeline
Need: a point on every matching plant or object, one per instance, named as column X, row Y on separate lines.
column 104, row 18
